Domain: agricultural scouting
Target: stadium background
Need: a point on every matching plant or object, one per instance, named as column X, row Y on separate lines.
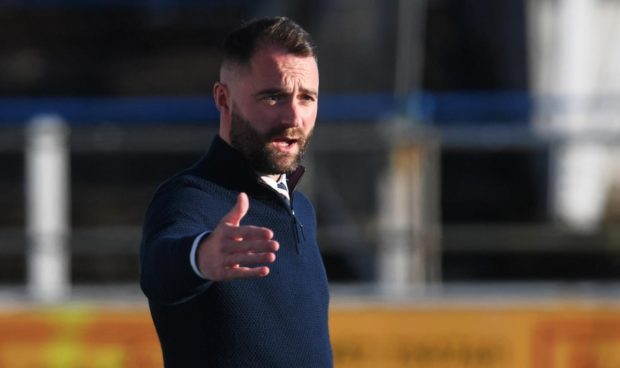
column 457, row 227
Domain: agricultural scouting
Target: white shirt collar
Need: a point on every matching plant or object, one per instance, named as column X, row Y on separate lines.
column 274, row 184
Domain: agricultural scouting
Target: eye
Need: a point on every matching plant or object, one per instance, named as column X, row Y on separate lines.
column 308, row 98
column 272, row 99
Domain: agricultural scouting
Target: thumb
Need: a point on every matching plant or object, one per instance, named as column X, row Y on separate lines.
column 234, row 216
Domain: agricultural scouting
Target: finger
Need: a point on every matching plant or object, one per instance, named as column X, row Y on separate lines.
column 255, row 246
column 245, row 272
column 234, row 260
column 234, row 216
column 247, row 232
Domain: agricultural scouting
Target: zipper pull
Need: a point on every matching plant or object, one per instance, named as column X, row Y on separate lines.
column 301, row 226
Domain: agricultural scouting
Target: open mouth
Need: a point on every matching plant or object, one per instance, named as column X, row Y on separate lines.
column 284, row 142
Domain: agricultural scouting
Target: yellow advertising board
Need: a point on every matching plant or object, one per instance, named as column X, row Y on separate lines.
column 550, row 335
column 78, row 337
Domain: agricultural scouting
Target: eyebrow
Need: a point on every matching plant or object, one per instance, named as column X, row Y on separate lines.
column 281, row 91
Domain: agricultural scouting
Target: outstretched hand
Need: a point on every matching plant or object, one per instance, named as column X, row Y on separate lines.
column 229, row 251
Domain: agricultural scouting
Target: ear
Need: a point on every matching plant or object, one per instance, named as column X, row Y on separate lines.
column 223, row 103
column 221, row 95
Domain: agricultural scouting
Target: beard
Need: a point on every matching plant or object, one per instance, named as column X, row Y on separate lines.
column 258, row 150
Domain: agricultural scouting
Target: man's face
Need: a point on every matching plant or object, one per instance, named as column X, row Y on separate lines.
column 259, row 148
column 273, row 110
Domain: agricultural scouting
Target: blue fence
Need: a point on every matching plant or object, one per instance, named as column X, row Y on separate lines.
column 427, row 108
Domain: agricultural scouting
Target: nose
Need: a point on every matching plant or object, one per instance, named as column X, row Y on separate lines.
column 292, row 115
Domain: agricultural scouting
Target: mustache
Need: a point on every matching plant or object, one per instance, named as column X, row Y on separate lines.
column 294, row 133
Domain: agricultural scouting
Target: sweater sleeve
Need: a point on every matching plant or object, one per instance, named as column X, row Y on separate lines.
column 172, row 225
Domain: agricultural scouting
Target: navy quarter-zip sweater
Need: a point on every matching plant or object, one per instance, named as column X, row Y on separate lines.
column 280, row 320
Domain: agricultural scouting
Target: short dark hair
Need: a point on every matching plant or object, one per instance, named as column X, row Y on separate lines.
column 242, row 43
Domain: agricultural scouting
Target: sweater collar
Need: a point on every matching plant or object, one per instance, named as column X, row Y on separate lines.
column 227, row 166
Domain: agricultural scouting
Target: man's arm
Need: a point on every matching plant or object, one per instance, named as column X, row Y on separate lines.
column 167, row 275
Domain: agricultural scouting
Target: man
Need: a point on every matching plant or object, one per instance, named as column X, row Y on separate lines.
column 229, row 260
